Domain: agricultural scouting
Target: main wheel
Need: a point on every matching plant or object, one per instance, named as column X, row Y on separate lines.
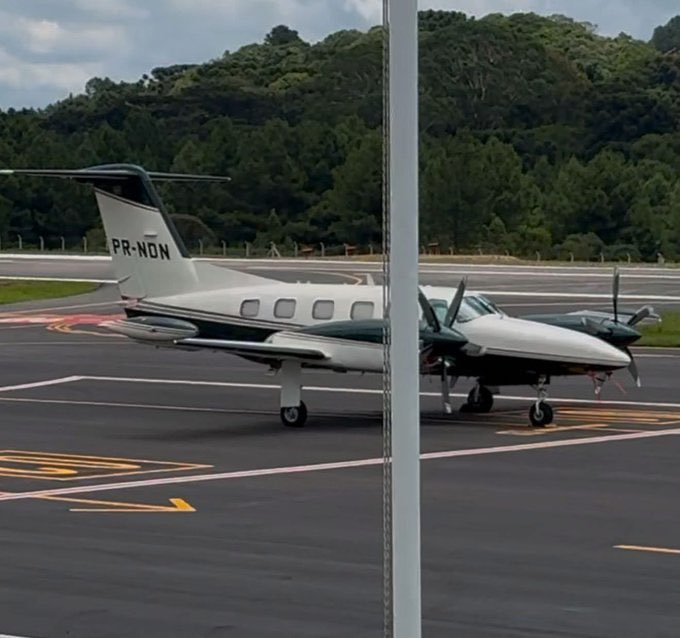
column 541, row 415
column 294, row 417
column 479, row 400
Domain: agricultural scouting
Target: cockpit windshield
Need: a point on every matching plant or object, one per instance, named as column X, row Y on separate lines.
column 473, row 306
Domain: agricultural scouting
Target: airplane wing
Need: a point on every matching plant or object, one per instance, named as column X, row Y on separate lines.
column 261, row 351
column 632, row 317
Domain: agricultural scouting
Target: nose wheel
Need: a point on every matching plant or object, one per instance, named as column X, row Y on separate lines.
column 541, row 414
column 294, row 417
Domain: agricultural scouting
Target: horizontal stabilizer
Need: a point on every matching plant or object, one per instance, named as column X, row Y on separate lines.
column 264, row 350
column 112, row 172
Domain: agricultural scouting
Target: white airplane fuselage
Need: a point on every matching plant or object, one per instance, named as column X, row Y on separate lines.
column 256, row 311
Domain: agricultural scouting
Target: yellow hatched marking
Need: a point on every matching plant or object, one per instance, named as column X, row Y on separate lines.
column 67, row 467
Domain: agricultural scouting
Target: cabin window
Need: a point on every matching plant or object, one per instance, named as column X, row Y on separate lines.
column 284, row 308
column 362, row 310
column 323, row 309
column 250, row 308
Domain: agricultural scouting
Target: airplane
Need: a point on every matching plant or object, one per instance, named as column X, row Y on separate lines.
column 176, row 301
column 616, row 328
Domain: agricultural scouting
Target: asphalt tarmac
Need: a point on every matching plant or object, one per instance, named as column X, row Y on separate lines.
column 150, row 492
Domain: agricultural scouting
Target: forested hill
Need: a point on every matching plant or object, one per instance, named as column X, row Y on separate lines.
column 537, row 135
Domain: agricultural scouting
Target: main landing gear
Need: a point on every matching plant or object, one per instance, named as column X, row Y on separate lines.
column 479, row 400
column 541, row 413
column 293, row 409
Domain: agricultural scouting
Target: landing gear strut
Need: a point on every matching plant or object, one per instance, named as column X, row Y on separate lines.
column 479, row 400
column 293, row 409
column 541, row 413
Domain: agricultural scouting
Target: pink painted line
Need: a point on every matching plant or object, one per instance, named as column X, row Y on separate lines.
column 338, row 465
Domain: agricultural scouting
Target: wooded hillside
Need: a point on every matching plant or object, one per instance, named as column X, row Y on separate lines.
column 537, row 135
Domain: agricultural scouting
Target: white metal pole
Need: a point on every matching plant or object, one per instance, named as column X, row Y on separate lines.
column 404, row 354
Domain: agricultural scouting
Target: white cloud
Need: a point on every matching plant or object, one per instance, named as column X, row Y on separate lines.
column 63, row 78
column 114, row 9
column 369, row 10
column 43, row 37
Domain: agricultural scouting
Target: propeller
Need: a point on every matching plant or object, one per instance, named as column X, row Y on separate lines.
column 616, row 286
column 640, row 315
column 454, row 308
column 428, row 312
column 633, row 369
column 643, row 313
column 435, row 325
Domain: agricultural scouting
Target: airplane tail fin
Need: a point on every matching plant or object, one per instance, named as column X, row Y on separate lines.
column 149, row 257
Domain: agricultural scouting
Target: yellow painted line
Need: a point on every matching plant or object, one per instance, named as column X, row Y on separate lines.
column 70, row 467
column 610, row 429
column 178, row 505
column 529, row 431
column 653, row 550
column 651, row 414
column 607, row 415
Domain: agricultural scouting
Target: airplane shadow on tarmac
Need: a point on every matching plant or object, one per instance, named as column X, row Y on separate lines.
column 243, row 424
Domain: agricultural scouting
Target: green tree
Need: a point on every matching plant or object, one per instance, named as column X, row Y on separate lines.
column 667, row 37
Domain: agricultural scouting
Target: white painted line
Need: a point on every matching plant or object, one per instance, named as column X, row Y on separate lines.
column 39, row 384
column 13, row 636
column 140, row 406
column 104, row 341
column 265, row 386
column 453, row 270
column 72, row 279
column 574, row 295
column 337, row 465
column 55, row 257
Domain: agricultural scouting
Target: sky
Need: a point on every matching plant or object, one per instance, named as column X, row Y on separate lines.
column 50, row 48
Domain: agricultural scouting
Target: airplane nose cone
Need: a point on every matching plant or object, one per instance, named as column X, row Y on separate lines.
column 609, row 355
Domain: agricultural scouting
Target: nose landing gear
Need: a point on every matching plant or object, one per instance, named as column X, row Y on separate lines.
column 541, row 412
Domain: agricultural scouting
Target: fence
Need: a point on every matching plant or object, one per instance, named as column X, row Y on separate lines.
column 291, row 249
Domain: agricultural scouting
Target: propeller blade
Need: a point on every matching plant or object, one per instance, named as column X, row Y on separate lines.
column 633, row 369
column 454, row 308
column 616, row 285
column 642, row 314
column 428, row 312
